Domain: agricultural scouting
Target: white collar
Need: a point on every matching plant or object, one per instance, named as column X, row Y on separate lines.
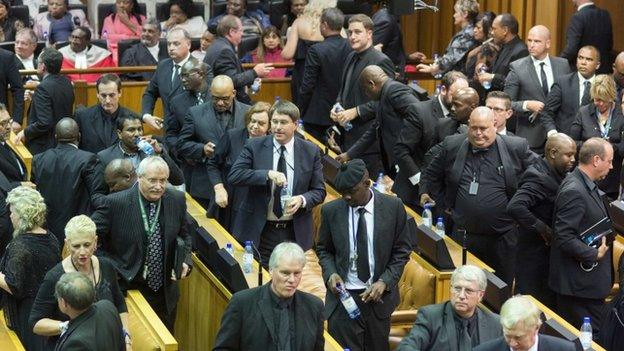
column 369, row 207
column 503, row 132
column 582, row 79
column 445, row 111
column 546, row 60
column 30, row 58
column 584, row 5
column 289, row 145
column 181, row 63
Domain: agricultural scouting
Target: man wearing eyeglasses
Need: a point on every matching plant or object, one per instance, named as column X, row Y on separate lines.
column 458, row 324
column 500, row 103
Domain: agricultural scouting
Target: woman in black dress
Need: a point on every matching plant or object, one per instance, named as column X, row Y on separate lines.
column 80, row 238
column 32, row 252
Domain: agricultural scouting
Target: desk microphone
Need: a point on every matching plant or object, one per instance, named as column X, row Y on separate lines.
column 462, row 234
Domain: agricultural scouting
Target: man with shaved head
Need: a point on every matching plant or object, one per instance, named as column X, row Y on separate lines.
column 532, row 207
column 396, row 103
column 203, row 127
column 69, row 179
column 478, row 173
column 618, row 74
column 528, row 83
column 119, row 175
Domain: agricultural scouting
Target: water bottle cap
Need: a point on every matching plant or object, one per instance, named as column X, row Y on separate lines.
column 228, row 245
column 586, row 320
column 440, row 219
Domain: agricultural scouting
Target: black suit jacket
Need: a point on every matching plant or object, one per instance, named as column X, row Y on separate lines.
column 390, row 245
column 20, row 66
column 387, row 31
column 435, row 329
column 251, row 169
column 510, row 52
column 352, row 95
column 397, row 102
column 138, row 55
column 523, row 84
column 10, row 79
column 12, row 167
column 590, row 26
column 576, row 209
column 586, row 126
column 123, row 240
column 545, row 342
column 174, row 120
column 98, row 328
column 52, row 101
column 6, row 227
column 92, row 136
column 201, row 126
column 562, row 104
column 72, row 183
column 319, row 87
column 221, row 56
column 248, row 322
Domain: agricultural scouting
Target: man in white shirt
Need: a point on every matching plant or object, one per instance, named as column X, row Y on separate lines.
column 146, row 53
column 25, row 46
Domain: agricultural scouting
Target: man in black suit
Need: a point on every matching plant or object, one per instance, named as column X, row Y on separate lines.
column 528, row 83
column 194, row 81
column 521, row 321
column 93, row 326
column 590, row 25
column 149, row 52
column 204, row 125
column 25, row 46
column 500, row 103
column 532, row 207
column 324, row 62
column 362, row 247
column 223, row 58
column 504, row 32
column 10, row 79
column 11, row 165
column 396, row 102
column 129, row 132
column 458, row 324
column 478, row 174
column 360, row 111
column 138, row 230
column 570, row 92
column 581, row 275
column 285, row 182
column 97, row 123
column 275, row 316
column 70, row 180
column 388, row 34
column 165, row 83
column 119, row 175
column 52, row 101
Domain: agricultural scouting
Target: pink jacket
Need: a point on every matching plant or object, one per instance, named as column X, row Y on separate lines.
column 114, row 31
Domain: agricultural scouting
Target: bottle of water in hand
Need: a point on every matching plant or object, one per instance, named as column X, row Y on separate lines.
column 348, row 302
column 380, row 184
column 436, row 61
column 586, row 334
column 248, row 257
column 144, row 146
column 338, row 108
column 486, row 84
column 255, row 86
column 427, row 216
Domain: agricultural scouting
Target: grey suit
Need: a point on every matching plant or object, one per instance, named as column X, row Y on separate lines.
column 523, row 84
column 562, row 104
column 544, row 342
column 435, row 329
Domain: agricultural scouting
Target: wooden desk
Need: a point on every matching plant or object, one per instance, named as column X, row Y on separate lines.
column 8, row 339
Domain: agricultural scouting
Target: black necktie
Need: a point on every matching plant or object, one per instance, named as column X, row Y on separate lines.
column 362, row 248
column 281, row 167
column 284, row 328
column 347, row 82
column 586, row 88
column 544, row 79
column 176, row 75
column 465, row 339
column 153, row 256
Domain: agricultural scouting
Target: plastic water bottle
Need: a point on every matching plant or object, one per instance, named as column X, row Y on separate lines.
column 414, row 84
column 255, row 86
column 439, row 227
column 427, row 216
column 586, row 333
column 338, row 108
column 45, row 36
column 487, row 84
column 278, row 99
column 144, row 146
column 436, row 60
column 380, row 184
column 285, row 196
column 229, row 249
column 248, row 257
column 348, row 302
column 300, row 127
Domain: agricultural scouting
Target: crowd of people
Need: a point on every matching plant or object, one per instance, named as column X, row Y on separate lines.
column 519, row 148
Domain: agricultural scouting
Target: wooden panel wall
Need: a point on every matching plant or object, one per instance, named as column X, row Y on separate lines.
column 430, row 32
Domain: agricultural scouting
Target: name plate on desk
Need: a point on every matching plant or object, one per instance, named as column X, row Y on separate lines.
column 432, row 248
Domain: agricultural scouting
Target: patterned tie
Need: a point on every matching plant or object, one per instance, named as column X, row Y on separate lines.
column 153, row 258
column 586, row 88
column 175, row 76
column 465, row 339
column 544, row 79
column 362, row 248
column 281, row 167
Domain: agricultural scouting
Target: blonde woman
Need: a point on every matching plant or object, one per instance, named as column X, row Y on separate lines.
column 32, row 252
column 304, row 32
column 81, row 240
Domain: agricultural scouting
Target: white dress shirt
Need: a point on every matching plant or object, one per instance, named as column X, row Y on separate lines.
column 154, row 50
column 445, row 110
column 353, row 282
column 547, row 69
column 81, row 59
column 289, row 156
column 582, row 86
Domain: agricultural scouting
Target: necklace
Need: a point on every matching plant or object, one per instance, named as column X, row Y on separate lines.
column 92, row 270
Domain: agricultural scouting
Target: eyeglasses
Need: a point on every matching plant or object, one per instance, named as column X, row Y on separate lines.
column 458, row 290
column 6, row 122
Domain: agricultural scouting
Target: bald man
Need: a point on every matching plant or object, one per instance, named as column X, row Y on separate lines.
column 532, row 207
column 203, row 127
column 478, row 173
column 618, row 74
column 396, row 103
column 70, row 180
column 528, row 83
column 465, row 100
column 119, row 175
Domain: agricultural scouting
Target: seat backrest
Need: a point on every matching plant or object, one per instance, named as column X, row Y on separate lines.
column 218, row 6
column 103, row 10
column 21, row 13
column 44, row 8
column 248, row 44
column 124, row 45
column 97, row 42
column 416, row 286
column 162, row 10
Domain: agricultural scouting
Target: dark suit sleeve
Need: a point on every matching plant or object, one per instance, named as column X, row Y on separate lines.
column 172, row 125
column 17, row 88
column 570, row 211
column 150, row 95
column 325, row 246
column 310, row 74
column 184, row 228
column 512, row 88
column 93, row 174
column 316, row 189
column 530, row 193
column 215, row 164
column 229, row 336
column 576, row 129
column 187, row 147
column 176, row 177
column 367, row 110
column 319, row 344
column 551, row 107
column 400, row 247
column 382, row 31
column 226, row 64
column 243, row 173
column 432, row 176
column 102, row 222
column 421, row 336
column 407, row 143
column 42, row 101
column 573, row 38
column 364, row 142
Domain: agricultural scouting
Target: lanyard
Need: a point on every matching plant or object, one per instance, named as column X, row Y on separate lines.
column 149, row 227
column 604, row 130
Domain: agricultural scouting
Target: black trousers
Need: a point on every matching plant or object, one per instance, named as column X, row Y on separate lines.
column 365, row 333
column 273, row 234
column 573, row 309
column 533, row 258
